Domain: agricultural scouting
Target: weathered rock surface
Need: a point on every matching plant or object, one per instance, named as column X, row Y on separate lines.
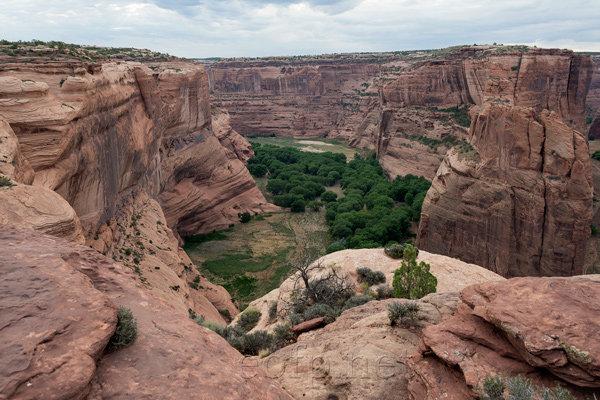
column 453, row 275
column 54, row 323
column 12, row 163
column 519, row 202
column 98, row 134
column 359, row 356
column 77, row 289
column 546, row 329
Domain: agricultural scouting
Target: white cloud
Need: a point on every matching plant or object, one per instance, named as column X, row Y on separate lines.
column 204, row 28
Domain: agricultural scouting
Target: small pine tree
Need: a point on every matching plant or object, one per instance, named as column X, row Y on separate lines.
column 412, row 280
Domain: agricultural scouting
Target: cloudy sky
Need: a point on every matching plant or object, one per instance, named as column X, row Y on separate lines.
column 252, row 28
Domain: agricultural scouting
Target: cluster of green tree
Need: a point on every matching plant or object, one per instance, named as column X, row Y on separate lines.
column 374, row 211
column 296, row 178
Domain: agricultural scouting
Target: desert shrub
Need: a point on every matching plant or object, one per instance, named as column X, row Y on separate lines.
column 273, row 311
column 396, row 250
column 320, row 310
column 5, row 181
column 356, row 301
column 252, row 343
column 591, row 137
column 126, row 331
column 400, row 312
column 383, row 292
column 369, row 276
column 519, row 388
column 412, row 280
column 596, row 155
column 245, row 217
column 225, row 314
column 282, row 336
column 248, row 320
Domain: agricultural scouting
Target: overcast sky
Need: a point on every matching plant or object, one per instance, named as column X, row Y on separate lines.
column 252, row 28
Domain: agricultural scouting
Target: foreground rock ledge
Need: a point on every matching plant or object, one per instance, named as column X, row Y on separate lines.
column 57, row 311
column 544, row 328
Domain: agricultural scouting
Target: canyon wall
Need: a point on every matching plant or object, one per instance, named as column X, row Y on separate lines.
column 292, row 99
column 518, row 198
column 123, row 157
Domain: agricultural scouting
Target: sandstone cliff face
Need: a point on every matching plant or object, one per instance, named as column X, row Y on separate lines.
column 131, row 150
column 542, row 79
column 58, row 311
column 545, row 329
column 291, row 100
column 98, row 134
column 520, row 202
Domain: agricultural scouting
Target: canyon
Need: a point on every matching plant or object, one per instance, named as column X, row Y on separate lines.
column 107, row 166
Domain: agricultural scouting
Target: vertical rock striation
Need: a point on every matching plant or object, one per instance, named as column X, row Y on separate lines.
column 519, row 201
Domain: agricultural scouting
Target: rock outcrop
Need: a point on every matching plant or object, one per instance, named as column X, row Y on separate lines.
column 453, row 275
column 31, row 206
column 58, row 310
column 359, row 356
column 543, row 328
column 519, row 201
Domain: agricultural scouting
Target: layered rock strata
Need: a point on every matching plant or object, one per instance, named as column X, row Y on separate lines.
column 98, row 134
column 518, row 201
column 58, row 311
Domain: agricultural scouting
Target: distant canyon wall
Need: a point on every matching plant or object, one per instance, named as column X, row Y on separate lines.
column 291, row 100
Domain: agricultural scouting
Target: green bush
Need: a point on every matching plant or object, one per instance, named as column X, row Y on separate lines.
column 399, row 312
column 273, row 311
column 396, row 250
column 591, row 137
column 369, row 276
column 333, row 248
column 298, row 206
column 596, row 155
column 383, row 292
column 5, row 181
column 519, row 388
column 126, row 331
column 252, row 343
column 320, row 310
column 356, row 301
column 282, row 336
column 245, row 217
column 328, row 196
column 412, row 280
column 248, row 320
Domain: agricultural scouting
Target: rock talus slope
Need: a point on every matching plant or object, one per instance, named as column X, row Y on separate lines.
column 59, row 310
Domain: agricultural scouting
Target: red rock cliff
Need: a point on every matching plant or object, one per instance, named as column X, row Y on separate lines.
column 519, row 201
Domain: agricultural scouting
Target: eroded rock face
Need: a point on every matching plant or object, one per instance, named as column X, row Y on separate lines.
column 98, row 134
column 54, row 322
column 519, row 202
column 545, row 329
column 77, row 290
column 290, row 99
column 359, row 356
column 542, row 79
column 31, row 206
